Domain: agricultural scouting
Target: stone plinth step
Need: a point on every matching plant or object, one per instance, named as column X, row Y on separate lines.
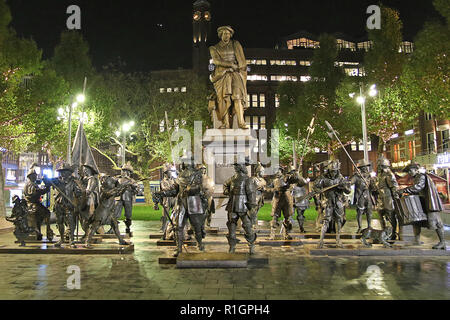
column 212, row 260
column 95, row 240
column 279, row 243
column 316, row 235
column 111, row 236
column 168, row 243
column 212, row 230
column 155, row 236
column 167, row 260
column 50, row 249
column 379, row 252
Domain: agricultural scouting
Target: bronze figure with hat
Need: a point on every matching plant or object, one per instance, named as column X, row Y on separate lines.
column 37, row 212
column 387, row 190
column 425, row 188
column 127, row 197
column 229, row 78
column 362, row 197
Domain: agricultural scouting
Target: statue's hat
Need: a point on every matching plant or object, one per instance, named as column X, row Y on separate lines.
column 65, row 167
column 222, row 28
column 411, row 165
column 32, row 170
column 363, row 163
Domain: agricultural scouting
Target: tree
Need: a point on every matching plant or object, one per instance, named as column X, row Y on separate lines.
column 300, row 102
column 383, row 64
column 426, row 75
column 29, row 93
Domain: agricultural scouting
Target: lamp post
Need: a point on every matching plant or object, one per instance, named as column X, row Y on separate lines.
column 361, row 99
column 123, row 130
column 79, row 100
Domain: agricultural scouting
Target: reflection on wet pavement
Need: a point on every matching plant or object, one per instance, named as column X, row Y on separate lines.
column 289, row 275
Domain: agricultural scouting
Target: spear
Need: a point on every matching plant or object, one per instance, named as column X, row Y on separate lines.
column 333, row 133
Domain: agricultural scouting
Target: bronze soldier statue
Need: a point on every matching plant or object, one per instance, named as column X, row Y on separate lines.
column 168, row 203
column 229, row 78
column 363, row 193
column 425, row 188
column 64, row 207
column 319, row 169
column 126, row 198
column 335, row 199
column 387, row 190
column 104, row 213
column 282, row 201
column 300, row 205
column 242, row 199
column 90, row 184
column 208, row 186
column 19, row 218
column 38, row 214
column 191, row 203
column 260, row 184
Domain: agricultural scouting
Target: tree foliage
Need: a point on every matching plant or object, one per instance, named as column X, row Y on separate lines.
column 426, row 75
column 300, row 102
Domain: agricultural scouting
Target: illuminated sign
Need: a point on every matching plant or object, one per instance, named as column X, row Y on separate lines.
column 443, row 160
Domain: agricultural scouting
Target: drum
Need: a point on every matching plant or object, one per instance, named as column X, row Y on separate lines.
column 409, row 210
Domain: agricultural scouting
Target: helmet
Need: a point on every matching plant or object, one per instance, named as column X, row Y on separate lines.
column 363, row 163
column 382, row 161
column 259, row 169
column 334, row 165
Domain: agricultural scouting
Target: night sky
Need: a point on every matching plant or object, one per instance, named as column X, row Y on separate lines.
column 130, row 29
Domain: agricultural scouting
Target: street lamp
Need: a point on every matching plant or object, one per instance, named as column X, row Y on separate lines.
column 123, row 130
column 62, row 115
column 361, row 99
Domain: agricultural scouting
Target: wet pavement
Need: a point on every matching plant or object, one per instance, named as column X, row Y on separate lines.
column 290, row 274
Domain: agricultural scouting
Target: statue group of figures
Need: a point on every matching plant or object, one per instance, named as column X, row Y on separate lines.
column 86, row 199
column 189, row 198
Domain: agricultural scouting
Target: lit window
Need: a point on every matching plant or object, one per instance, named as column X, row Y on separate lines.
column 183, row 89
column 162, row 90
column 255, row 77
column 176, row 89
column 305, row 78
column 354, row 146
column 161, row 126
column 169, row 89
column 254, row 100
column 262, row 100
column 277, row 100
column 262, row 122
column 283, row 78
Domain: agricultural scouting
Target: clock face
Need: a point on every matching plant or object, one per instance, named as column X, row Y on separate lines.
column 207, row 16
column 197, row 15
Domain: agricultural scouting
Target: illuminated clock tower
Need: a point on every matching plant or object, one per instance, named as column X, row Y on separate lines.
column 201, row 26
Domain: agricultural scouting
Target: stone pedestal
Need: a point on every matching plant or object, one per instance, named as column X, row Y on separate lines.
column 223, row 147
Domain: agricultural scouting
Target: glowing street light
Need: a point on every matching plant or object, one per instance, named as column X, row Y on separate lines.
column 361, row 99
column 81, row 98
column 124, row 129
